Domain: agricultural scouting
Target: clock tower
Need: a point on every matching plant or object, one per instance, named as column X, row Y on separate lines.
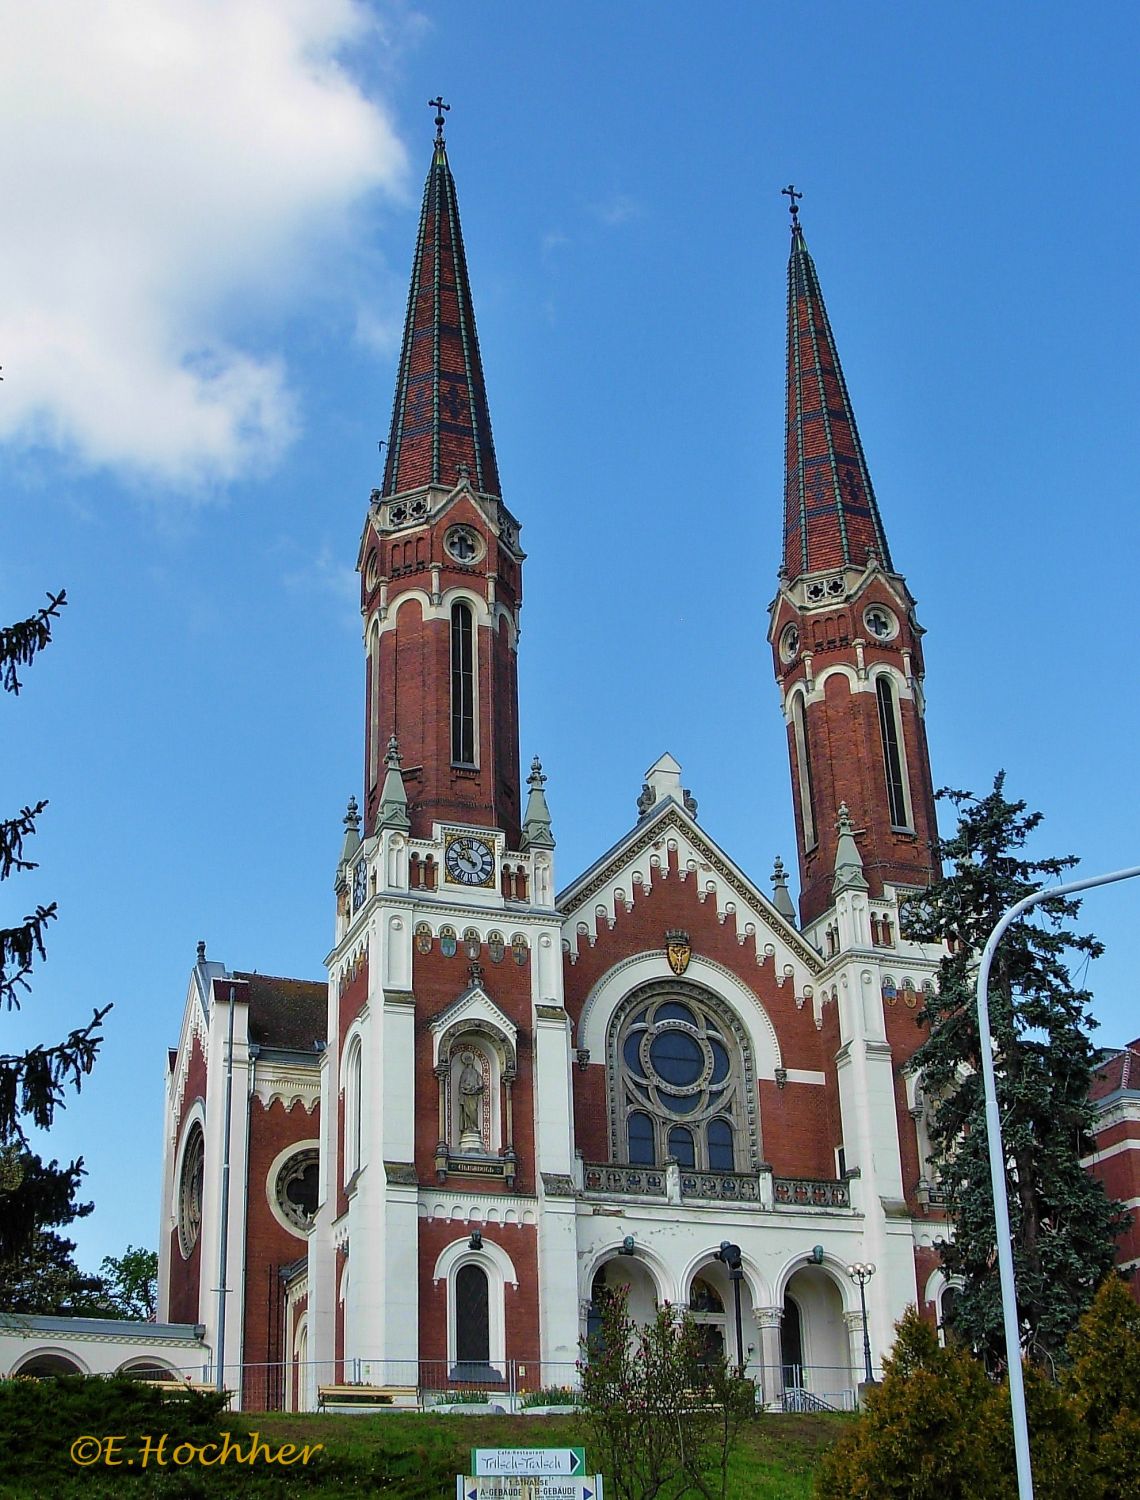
column 846, row 642
column 440, row 563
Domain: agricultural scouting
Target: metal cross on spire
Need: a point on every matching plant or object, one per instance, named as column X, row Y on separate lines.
column 793, row 206
column 439, row 106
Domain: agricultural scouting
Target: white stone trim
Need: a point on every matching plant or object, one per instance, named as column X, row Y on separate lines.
column 271, row 1184
column 642, row 968
column 500, row 1272
column 1114, row 1150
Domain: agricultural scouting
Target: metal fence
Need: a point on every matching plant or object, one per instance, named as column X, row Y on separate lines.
column 511, row 1385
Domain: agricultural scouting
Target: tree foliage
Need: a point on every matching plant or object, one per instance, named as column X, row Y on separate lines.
column 130, row 1283
column 1062, row 1225
column 938, row 1428
column 33, row 1084
column 662, row 1413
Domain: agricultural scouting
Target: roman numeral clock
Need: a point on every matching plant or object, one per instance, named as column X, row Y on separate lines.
column 468, row 860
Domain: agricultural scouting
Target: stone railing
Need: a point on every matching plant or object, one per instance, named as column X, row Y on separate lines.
column 721, row 1187
column 811, row 1192
column 642, row 1182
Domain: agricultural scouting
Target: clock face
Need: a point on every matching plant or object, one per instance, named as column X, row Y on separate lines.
column 359, row 884
column 469, row 861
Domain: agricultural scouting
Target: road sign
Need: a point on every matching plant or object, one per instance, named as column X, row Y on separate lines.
column 486, row 1461
column 528, row 1487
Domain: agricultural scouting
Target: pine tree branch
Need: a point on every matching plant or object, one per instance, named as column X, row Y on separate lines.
column 32, row 1083
column 19, row 643
column 13, row 832
column 19, row 947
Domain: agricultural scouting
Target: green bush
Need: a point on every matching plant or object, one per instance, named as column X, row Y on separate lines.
column 919, row 1436
column 938, row 1427
column 1102, row 1384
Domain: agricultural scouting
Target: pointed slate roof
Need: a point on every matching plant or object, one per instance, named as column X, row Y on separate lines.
column 440, row 422
column 830, row 515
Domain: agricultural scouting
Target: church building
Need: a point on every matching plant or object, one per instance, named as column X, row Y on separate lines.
column 659, row 1075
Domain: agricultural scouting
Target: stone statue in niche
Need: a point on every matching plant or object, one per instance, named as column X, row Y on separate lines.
column 471, row 1087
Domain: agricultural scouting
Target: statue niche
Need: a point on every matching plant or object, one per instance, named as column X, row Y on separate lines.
column 471, row 1086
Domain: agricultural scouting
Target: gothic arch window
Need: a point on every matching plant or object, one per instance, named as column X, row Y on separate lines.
column 803, row 769
column 682, row 1081
column 462, row 684
column 353, row 1100
column 373, row 668
column 472, row 1323
column 891, row 735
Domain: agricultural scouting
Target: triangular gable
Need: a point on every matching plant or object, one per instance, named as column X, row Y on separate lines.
column 643, row 853
column 474, row 1007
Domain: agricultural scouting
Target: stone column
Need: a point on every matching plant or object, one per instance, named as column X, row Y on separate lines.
column 768, row 1323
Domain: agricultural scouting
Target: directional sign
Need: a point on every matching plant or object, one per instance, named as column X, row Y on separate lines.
column 528, row 1461
column 528, row 1487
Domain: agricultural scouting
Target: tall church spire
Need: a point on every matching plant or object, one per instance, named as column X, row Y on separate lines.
column 846, row 642
column 831, row 519
column 441, row 427
column 441, row 565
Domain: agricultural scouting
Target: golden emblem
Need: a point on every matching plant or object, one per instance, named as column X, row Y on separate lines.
column 678, row 950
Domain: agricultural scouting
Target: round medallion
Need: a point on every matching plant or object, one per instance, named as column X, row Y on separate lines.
column 789, row 643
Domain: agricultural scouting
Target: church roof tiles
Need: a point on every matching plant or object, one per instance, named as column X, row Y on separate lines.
column 831, row 518
column 441, row 426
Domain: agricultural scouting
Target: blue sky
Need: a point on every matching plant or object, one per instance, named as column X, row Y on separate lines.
column 210, row 215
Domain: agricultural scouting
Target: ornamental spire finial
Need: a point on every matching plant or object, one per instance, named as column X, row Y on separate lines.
column 793, row 206
column 439, row 106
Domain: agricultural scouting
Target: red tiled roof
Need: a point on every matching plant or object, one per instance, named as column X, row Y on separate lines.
column 1120, row 1071
column 289, row 1013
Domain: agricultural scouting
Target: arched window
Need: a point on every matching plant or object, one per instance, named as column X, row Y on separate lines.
column 642, row 1150
column 462, row 685
column 472, row 1325
column 681, row 1146
column 803, row 766
column 680, row 1081
column 892, row 751
column 721, row 1154
column 353, row 1100
column 373, row 670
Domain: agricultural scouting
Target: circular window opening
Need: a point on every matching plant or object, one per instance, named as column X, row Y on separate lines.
column 190, row 1191
column 789, row 643
column 372, row 572
column 880, row 622
column 463, row 544
column 677, row 1058
column 298, row 1189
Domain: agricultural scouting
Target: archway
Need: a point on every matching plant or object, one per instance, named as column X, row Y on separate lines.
column 44, row 1365
column 627, row 1273
column 814, row 1339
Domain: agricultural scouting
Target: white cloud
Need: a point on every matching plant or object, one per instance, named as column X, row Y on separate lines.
column 169, row 166
column 617, row 209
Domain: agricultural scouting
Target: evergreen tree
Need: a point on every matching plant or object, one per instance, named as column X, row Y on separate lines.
column 33, row 1196
column 1063, row 1227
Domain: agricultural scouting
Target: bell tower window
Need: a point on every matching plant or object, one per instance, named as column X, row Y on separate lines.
column 462, row 685
column 803, row 764
column 892, row 752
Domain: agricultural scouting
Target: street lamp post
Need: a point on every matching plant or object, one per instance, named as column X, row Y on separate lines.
column 861, row 1273
column 729, row 1256
column 997, row 1168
